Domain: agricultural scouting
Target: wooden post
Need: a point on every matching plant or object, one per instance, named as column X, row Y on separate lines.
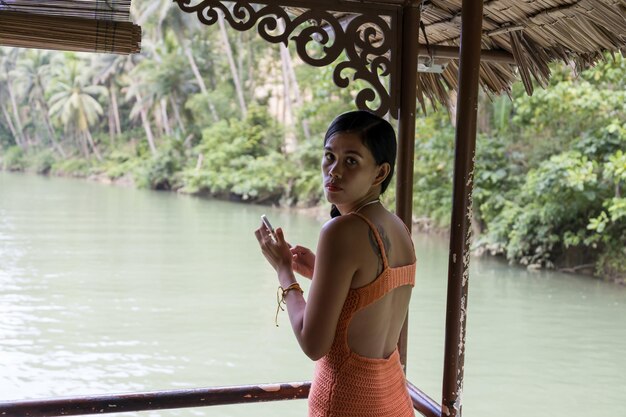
column 460, row 226
column 406, row 129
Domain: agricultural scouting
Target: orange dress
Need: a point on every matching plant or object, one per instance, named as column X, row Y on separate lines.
column 346, row 384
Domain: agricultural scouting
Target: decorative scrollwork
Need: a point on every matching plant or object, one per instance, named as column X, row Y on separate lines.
column 366, row 38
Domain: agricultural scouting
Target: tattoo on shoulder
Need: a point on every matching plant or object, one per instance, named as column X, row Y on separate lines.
column 376, row 249
column 386, row 241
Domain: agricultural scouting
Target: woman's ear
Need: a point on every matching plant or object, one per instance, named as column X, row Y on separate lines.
column 383, row 172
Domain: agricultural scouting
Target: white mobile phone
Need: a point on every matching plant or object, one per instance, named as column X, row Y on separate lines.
column 268, row 226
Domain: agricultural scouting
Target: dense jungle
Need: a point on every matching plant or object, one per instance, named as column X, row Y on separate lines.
column 223, row 114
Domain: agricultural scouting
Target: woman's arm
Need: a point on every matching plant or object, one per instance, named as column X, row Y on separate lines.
column 314, row 322
column 334, row 268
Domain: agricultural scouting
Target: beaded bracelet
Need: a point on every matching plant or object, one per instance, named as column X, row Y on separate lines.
column 281, row 294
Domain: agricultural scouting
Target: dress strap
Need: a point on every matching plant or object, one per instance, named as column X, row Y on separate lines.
column 378, row 239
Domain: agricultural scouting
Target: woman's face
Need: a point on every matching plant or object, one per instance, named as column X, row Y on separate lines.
column 349, row 169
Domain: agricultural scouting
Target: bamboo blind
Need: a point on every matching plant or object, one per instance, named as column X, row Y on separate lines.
column 69, row 25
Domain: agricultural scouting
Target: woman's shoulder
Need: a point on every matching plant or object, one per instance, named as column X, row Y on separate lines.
column 339, row 237
column 352, row 222
column 341, row 225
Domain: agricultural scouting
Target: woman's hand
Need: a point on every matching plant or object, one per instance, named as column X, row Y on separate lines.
column 276, row 252
column 303, row 261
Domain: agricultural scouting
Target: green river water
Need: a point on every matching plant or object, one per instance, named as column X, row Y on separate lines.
column 106, row 289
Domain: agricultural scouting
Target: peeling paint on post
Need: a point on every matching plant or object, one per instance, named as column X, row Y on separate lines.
column 460, row 233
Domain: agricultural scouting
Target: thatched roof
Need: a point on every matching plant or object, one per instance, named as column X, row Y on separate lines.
column 535, row 32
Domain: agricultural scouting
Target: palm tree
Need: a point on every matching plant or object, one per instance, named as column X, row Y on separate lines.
column 170, row 80
column 231, row 62
column 109, row 70
column 7, row 64
column 134, row 90
column 74, row 101
column 121, row 73
column 141, row 107
column 4, row 99
column 290, row 82
column 167, row 18
column 32, row 75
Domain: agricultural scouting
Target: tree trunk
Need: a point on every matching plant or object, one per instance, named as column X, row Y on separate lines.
column 92, row 144
column 251, row 66
column 87, row 135
column 36, row 139
column 179, row 120
column 19, row 138
column 291, row 74
column 166, row 122
column 199, row 162
column 44, row 105
column 484, row 115
column 199, row 79
column 10, row 123
column 156, row 115
column 116, row 110
column 231, row 63
column 27, row 140
column 286, row 104
column 111, row 116
column 146, row 124
column 240, row 58
column 111, row 126
column 83, row 144
column 290, row 144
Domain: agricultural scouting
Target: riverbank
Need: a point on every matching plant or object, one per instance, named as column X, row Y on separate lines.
column 320, row 212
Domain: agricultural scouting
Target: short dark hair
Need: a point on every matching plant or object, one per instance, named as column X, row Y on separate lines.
column 375, row 132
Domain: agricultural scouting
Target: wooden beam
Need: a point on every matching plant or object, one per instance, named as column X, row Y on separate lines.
column 199, row 397
column 452, row 52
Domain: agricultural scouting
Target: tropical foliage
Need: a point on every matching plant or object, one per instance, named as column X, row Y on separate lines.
column 221, row 113
column 550, row 185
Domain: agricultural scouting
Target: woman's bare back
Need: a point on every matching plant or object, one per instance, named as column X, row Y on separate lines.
column 374, row 330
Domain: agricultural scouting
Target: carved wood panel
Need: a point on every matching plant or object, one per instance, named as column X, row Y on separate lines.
column 361, row 40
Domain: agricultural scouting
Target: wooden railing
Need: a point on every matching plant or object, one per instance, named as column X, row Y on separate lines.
column 200, row 397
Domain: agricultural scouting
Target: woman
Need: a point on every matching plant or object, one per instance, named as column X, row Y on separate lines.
column 362, row 278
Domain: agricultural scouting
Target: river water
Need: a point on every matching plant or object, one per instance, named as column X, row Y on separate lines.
column 106, row 289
